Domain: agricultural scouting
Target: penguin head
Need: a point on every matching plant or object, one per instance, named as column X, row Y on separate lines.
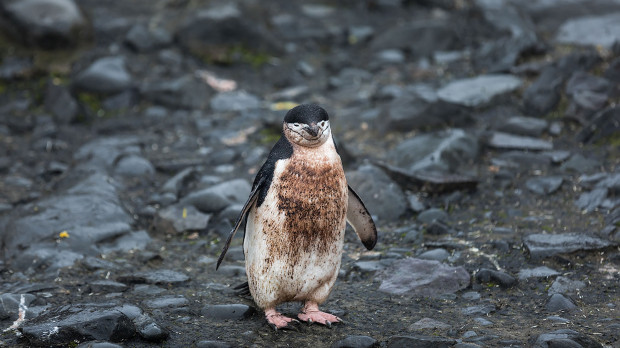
column 307, row 125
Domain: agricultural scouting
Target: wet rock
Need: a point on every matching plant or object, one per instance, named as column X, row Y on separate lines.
column 10, row 304
column 420, row 341
column 371, row 266
column 565, row 338
column 234, row 101
column 445, row 151
column 60, row 103
column 135, row 240
column 356, row 342
column 184, row 92
column 544, row 186
column 544, row 93
column 507, row 141
column 227, row 311
column 478, row 91
column 431, row 36
column 538, row 272
column 521, row 125
column 588, row 94
column 105, row 75
column 213, row 34
column 134, row 166
column 90, row 212
column 431, row 215
column 595, row 30
column 218, row 197
column 435, row 254
column 180, row 218
column 45, row 23
column 603, row 125
column 382, row 196
column 428, row 323
column 419, row 107
column 98, row 344
column 15, row 68
column 161, row 276
column 167, row 302
column 143, row 39
column 577, row 163
column 557, row 302
column 145, row 326
column 101, row 286
column 546, row 245
column 505, row 280
column 483, row 309
column 212, row 344
column 81, row 322
column 422, row 278
column 483, row 321
column 564, row 285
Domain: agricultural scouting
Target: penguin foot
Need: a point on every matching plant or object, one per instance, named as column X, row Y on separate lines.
column 311, row 314
column 276, row 320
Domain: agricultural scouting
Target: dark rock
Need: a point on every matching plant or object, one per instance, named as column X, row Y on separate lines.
column 45, row 23
column 356, row 342
column 478, row 91
column 604, row 124
column 180, row 218
column 161, row 276
column 445, row 151
column 431, row 215
column 544, row 93
column 218, row 197
column 438, row 228
column 371, row 266
column 419, row 107
column 100, row 286
column 596, row 31
column 546, row 245
column 167, row 302
column 382, row 196
column 10, row 304
column 98, row 344
column 544, row 186
column 143, row 39
column 105, row 75
column 580, row 164
column 428, row 323
column 227, row 311
column 565, row 338
column 423, row 278
column 431, row 35
column 185, row 92
column 483, row 309
column 60, row 103
column 507, row 141
column 435, row 254
column 145, row 326
column 588, row 95
column 538, row 272
column 505, row 280
column 431, row 181
column 234, row 101
column 212, row 344
column 522, row 125
column 557, row 302
column 78, row 323
column 135, row 240
column 16, row 67
column 213, row 34
column 563, row 285
column 420, row 341
column 134, row 166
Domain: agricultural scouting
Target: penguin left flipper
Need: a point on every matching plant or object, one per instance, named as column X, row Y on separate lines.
column 244, row 212
column 359, row 218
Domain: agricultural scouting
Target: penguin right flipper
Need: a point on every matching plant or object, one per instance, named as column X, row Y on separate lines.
column 258, row 186
column 359, row 218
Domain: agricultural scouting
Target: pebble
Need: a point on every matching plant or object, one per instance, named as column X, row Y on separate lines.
column 105, row 75
column 546, row 245
column 505, row 280
column 428, row 323
column 356, row 342
column 419, row 341
column 558, row 302
column 435, row 254
column 538, row 272
column 478, row 91
column 227, row 311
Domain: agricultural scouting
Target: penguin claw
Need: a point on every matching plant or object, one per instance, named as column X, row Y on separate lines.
column 328, row 324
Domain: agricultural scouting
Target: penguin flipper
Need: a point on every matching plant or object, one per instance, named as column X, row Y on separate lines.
column 244, row 212
column 359, row 218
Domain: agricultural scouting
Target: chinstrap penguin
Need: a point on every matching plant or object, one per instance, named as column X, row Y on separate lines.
column 296, row 217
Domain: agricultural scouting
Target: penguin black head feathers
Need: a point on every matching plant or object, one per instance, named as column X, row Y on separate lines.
column 307, row 125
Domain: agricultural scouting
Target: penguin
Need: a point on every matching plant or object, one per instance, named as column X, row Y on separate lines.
column 295, row 219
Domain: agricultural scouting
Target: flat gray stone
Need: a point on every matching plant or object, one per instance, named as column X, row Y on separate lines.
column 428, row 323
column 544, row 185
column 227, row 311
column 435, row 254
column 478, row 91
column 234, row 101
column 564, row 285
column 182, row 218
column 522, row 125
column 507, row 141
column 105, row 75
column 592, row 30
column 565, row 338
column 538, row 272
column 558, row 302
column 423, row 278
column 218, row 197
column 545, row 245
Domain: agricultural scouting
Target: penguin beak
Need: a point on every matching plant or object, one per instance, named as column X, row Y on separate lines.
column 312, row 129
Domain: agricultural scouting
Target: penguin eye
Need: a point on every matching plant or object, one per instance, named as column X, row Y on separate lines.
column 322, row 123
column 295, row 124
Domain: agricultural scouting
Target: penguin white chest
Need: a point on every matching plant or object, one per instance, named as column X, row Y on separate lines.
column 294, row 239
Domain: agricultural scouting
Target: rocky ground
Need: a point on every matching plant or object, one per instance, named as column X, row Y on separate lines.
column 484, row 137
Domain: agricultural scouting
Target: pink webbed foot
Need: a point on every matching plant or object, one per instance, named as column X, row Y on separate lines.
column 276, row 320
column 312, row 314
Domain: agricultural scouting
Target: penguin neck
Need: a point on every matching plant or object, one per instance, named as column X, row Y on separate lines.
column 325, row 152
